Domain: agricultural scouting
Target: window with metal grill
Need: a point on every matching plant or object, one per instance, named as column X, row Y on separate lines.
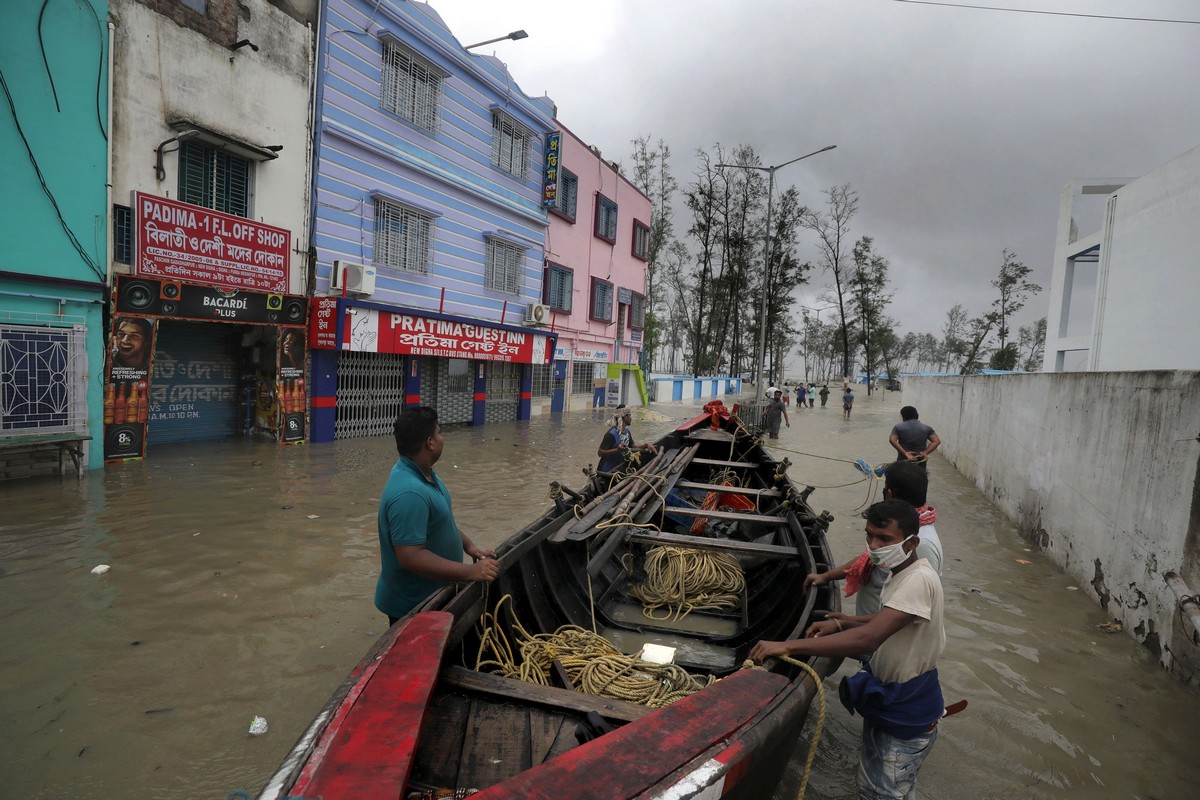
column 510, row 144
column 559, row 282
column 503, row 381
column 583, row 374
column 214, row 178
column 402, row 237
column 410, row 87
column 606, row 219
column 122, row 234
column 637, row 312
column 502, row 271
column 542, row 383
column 602, row 300
column 641, row 240
column 568, row 194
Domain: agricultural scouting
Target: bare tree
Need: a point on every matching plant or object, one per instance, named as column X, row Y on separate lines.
column 954, row 341
column 1032, row 342
column 868, row 290
column 652, row 174
column 832, row 227
column 1014, row 290
column 978, row 331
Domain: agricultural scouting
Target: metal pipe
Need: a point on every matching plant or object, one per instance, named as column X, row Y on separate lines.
column 52, row 297
column 1189, row 601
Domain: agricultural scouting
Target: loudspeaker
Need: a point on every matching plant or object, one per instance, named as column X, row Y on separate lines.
column 139, row 295
column 170, row 290
column 294, row 310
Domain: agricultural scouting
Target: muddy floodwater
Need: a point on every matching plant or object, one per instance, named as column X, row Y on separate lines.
column 241, row 582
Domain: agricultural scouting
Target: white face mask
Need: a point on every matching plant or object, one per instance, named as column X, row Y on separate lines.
column 889, row 556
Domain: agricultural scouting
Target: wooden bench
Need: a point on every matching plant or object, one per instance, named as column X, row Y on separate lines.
column 67, row 444
column 551, row 696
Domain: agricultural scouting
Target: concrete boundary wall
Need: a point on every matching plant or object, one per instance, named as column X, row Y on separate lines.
column 1099, row 470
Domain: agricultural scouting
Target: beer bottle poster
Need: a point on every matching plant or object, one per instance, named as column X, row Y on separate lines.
column 292, row 393
column 126, row 393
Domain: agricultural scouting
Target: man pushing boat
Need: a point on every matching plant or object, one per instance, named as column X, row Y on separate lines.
column 420, row 546
column 898, row 693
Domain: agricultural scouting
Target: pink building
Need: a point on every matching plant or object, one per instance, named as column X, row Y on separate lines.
column 595, row 281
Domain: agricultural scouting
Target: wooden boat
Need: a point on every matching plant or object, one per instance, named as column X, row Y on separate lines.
column 415, row 719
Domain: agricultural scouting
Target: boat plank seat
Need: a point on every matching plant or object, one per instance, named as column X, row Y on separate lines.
column 498, row 686
column 709, row 435
column 708, row 543
column 716, row 462
column 367, row 749
column 634, row 758
column 737, row 516
column 716, row 487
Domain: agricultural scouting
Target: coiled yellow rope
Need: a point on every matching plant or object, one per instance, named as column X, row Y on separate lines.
column 683, row 580
column 593, row 664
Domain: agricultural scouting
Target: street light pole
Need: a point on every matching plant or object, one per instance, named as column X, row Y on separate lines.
column 515, row 35
column 762, row 319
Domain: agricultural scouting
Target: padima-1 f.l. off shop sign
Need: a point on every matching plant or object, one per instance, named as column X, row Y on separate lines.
column 181, row 241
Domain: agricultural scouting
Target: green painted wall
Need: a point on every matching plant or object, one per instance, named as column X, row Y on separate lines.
column 59, row 102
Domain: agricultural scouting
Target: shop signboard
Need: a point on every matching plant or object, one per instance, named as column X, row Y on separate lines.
column 322, row 328
column 550, row 170
column 192, row 243
column 597, row 354
column 371, row 330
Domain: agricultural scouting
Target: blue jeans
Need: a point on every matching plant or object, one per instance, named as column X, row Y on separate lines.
column 888, row 767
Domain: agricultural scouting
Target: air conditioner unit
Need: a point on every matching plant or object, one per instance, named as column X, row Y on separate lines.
column 356, row 278
column 539, row 314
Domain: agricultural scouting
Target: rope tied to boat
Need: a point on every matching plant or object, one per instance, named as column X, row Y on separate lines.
column 592, row 663
column 682, row 580
column 819, row 726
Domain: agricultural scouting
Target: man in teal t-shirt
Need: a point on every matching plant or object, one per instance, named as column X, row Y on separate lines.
column 420, row 546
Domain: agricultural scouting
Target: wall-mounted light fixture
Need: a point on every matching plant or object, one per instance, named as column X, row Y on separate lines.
column 159, row 172
column 515, row 35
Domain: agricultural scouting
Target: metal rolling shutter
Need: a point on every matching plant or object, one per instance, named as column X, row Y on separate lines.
column 194, row 383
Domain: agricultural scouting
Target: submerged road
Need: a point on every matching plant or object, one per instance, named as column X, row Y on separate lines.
column 241, row 582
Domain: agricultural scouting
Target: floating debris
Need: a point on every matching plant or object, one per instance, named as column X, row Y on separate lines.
column 258, row 726
column 1110, row 627
column 100, row 569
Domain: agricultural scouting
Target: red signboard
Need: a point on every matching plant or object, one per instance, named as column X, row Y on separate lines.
column 187, row 242
column 369, row 330
column 322, row 326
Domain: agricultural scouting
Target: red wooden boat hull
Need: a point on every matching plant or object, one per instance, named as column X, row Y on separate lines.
column 385, row 729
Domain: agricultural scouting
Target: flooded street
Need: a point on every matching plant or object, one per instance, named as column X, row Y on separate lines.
column 241, row 585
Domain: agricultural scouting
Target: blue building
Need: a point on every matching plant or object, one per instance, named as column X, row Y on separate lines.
column 428, row 226
column 54, row 127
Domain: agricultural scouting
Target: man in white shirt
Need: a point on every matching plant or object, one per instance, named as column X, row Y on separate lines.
column 898, row 693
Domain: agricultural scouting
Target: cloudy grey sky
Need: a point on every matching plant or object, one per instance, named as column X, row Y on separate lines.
column 957, row 127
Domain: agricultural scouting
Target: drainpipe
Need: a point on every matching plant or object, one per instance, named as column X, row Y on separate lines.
column 108, row 190
column 1189, row 602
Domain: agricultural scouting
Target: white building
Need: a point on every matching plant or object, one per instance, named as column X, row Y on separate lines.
column 1123, row 297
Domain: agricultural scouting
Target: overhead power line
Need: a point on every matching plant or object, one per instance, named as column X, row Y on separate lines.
column 1051, row 13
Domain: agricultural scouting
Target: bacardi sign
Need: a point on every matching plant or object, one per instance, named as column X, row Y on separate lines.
column 191, row 243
